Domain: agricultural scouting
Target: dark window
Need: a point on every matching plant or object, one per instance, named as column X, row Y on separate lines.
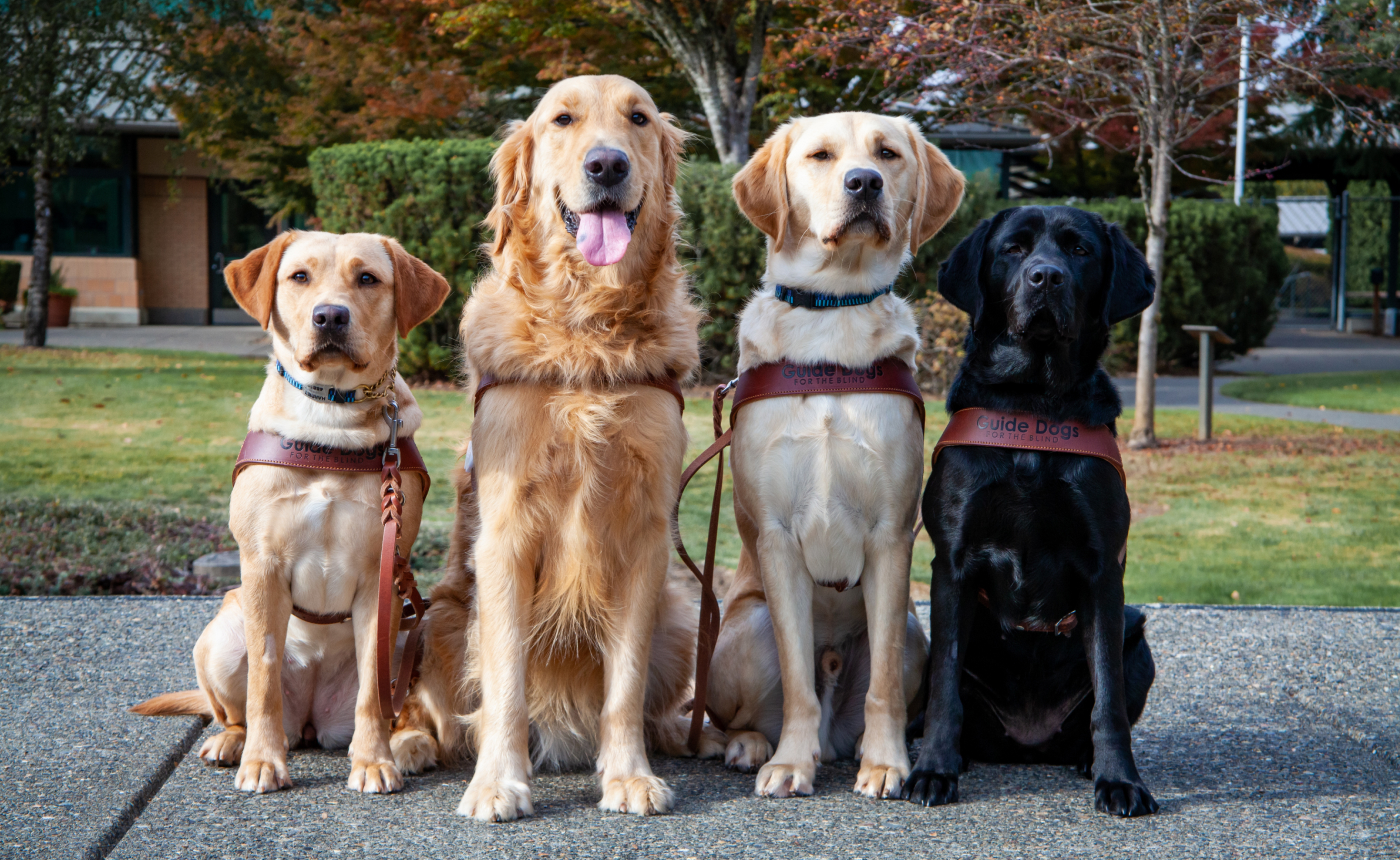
column 91, row 206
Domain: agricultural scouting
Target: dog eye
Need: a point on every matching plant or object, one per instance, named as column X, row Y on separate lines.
column 887, row 153
column 1011, row 248
column 1081, row 251
column 639, row 118
column 368, row 280
column 820, row 155
column 300, row 277
column 563, row 119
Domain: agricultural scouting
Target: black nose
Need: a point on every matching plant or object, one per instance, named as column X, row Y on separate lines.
column 864, row 183
column 1045, row 274
column 331, row 318
column 605, row 166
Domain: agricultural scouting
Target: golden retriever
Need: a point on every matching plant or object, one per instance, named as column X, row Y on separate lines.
column 333, row 305
column 554, row 640
column 826, row 487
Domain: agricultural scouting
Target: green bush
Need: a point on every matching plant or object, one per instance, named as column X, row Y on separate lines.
column 725, row 255
column 1224, row 267
column 431, row 195
column 9, row 281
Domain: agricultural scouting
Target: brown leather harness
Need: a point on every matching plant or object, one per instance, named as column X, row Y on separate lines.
column 395, row 575
column 778, row 379
column 995, row 429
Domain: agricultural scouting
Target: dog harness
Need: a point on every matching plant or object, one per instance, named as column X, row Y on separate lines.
column 389, row 459
column 821, row 301
column 778, row 379
column 994, row 429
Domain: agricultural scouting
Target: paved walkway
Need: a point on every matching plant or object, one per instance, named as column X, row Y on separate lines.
column 1271, row 733
column 230, row 339
column 1293, row 347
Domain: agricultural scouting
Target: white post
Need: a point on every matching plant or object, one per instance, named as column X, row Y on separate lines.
column 1242, row 109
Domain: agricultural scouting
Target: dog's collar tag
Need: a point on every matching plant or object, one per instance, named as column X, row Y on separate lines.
column 331, row 394
column 822, row 301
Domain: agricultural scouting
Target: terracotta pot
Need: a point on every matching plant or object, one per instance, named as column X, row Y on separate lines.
column 59, row 307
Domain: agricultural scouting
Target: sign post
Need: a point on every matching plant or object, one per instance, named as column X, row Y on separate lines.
column 1210, row 336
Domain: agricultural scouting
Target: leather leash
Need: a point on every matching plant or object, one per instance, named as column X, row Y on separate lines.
column 395, row 574
column 778, row 379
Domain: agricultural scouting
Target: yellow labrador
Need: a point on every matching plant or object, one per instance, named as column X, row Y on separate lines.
column 826, row 487
column 334, row 305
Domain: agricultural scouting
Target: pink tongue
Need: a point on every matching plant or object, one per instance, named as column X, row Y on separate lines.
column 603, row 237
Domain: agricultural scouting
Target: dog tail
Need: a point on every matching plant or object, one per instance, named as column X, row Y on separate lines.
column 192, row 703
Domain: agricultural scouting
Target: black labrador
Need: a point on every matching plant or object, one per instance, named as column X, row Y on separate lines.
column 1041, row 534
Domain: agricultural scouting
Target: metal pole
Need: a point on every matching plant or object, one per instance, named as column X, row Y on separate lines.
column 1339, row 262
column 1207, row 396
column 1242, row 109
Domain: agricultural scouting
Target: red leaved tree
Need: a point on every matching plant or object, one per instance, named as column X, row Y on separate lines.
column 1156, row 76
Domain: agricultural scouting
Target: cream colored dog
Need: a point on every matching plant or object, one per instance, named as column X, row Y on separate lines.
column 826, row 487
column 333, row 304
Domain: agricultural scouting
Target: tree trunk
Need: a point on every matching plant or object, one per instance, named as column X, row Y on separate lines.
column 36, row 312
column 1144, row 433
column 707, row 50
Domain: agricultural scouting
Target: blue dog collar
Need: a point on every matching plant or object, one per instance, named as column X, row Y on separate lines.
column 821, row 301
column 331, row 394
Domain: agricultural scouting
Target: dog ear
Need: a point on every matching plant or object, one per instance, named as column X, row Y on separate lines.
column 761, row 189
column 673, row 142
column 938, row 189
column 960, row 276
column 253, row 279
column 418, row 290
column 510, row 168
column 1131, row 282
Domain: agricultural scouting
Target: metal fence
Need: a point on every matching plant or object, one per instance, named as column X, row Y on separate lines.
column 1361, row 235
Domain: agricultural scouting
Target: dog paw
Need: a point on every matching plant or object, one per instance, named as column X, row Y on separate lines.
column 748, row 751
column 1125, row 799
column 496, row 800
column 224, row 749
column 374, row 777
column 262, row 776
column 711, row 743
column 879, row 780
column 414, row 751
column 639, row 795
column 785, row 780
column 930, row 789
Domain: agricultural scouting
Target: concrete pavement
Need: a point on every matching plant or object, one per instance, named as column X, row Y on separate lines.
column 1270, row 733
column 241, row 340
column 1312, row 347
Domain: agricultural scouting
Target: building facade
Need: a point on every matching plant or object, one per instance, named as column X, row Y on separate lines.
column 140, row 231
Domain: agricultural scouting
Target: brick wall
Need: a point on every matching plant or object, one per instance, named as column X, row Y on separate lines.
column 101, row 282
column 174, row 235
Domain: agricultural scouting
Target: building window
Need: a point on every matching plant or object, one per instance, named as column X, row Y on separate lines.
column 89, row 214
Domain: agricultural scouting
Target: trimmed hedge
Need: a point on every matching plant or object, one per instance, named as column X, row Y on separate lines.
column 1225, row 264
column 431, row 195
column 1224, row 267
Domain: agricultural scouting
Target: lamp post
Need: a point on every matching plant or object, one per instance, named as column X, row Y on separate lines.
column 1242, row 109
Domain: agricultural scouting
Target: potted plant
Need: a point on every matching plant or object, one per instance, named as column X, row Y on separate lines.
column 61, row 299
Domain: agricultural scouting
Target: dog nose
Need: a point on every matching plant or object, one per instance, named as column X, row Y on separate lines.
column 606, row 166
column 864, row 183
column 330, row 318
column 1046, row 274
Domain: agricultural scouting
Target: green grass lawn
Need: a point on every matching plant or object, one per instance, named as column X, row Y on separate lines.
column 1374, row 391
column 1276, row 511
